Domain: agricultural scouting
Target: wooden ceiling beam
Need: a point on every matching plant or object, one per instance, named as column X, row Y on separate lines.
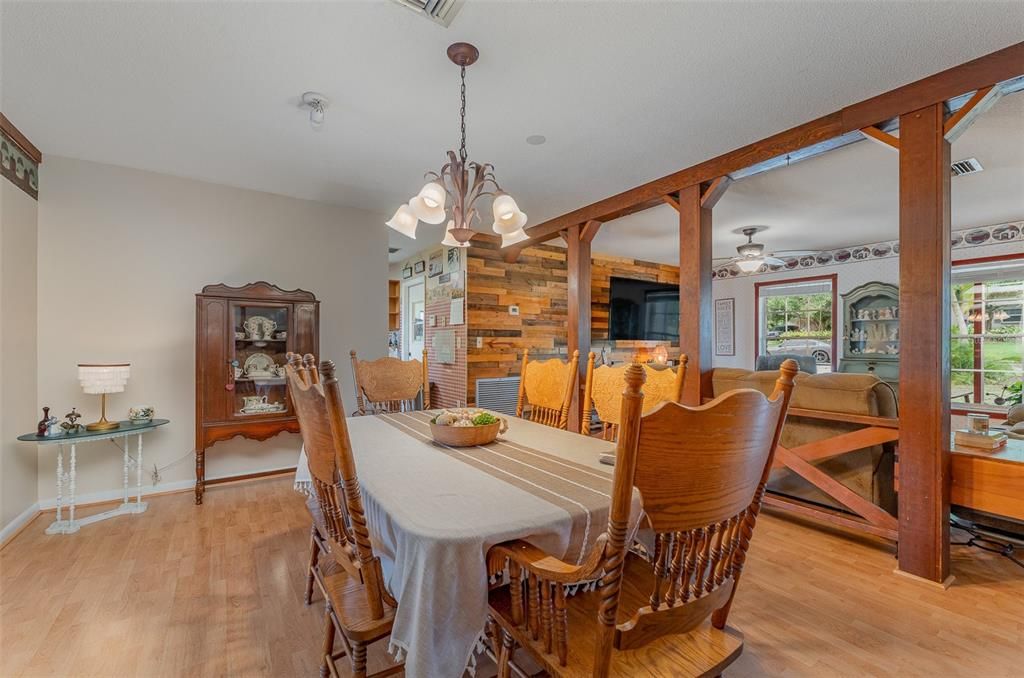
column 672, row 199
column 982, row 100
column 713, row 192
column 888, row 140
column 589, row 230
column 1006, row 64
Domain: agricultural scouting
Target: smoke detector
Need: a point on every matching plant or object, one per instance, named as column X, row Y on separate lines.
column 317, row 104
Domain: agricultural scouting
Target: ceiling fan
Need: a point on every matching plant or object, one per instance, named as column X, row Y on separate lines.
column 751, row 255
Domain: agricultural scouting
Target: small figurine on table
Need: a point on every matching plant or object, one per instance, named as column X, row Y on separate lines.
column 70, row 423
column 48, row 426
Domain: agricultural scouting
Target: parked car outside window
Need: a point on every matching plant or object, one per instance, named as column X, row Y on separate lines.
column 821, row 351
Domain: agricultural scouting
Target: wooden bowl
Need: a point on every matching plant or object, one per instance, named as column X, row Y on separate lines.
column 465, row 436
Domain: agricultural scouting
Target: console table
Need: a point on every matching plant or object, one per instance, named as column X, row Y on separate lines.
column 72, row 440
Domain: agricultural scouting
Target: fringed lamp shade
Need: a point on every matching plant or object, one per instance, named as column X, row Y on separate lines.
column 101, row 379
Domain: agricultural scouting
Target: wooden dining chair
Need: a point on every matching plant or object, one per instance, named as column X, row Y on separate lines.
column 545, row 389
column 390, row 385
column 701, row 474
column 602, row 393
column 360, row 611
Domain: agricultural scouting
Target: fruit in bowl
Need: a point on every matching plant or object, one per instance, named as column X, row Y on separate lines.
column 466, row 427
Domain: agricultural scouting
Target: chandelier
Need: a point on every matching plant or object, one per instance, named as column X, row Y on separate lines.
column 459, row 185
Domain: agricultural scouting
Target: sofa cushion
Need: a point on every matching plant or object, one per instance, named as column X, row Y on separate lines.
column 863, row 394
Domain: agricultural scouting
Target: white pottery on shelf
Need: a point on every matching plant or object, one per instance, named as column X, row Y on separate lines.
column 259, row 328
column 260, row 365
column 141, row 414
column 259, row 405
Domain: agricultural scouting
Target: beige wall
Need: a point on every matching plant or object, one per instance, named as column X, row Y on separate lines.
column 122, row 254
column 18, row 412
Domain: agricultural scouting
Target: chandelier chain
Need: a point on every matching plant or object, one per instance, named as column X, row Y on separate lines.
column 462, row 116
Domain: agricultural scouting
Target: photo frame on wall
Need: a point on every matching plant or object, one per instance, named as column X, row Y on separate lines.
column 725, row 326
column 454, row 259
column 407, row 272
column 435, row 267
column 419, row 266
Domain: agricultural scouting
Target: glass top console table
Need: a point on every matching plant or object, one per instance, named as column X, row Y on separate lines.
column 71, row 441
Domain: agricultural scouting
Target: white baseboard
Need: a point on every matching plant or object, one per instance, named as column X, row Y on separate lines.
column 32, row 511
column 112, row 495
column 19, row 521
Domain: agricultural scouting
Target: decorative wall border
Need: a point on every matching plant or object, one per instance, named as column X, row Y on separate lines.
column 962, row 239
column 17, row 167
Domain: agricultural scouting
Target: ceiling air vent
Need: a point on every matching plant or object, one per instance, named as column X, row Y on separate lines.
column 392, row 250
column 438, row 11
column 968, row 166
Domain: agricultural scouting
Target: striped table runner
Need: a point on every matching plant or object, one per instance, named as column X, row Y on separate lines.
column 582, row 492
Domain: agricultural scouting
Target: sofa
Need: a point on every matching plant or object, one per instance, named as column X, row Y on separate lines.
column 869, row 471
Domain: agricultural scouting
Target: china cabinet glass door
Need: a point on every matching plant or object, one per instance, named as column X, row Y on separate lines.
column 257, row 358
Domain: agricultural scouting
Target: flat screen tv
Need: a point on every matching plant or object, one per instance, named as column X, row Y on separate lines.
column 639, row 309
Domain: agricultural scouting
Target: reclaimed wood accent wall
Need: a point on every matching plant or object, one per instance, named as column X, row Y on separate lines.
column 537, row 284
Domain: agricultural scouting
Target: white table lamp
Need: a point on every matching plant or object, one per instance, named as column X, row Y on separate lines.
column 103, row 379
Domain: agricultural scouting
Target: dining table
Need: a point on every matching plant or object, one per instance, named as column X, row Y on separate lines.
column 435, row 510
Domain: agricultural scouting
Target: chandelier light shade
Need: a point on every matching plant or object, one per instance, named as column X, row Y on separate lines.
column 404, row 221
column 449, row 239
column 508, row 218
column 464, row 182
column 428, row 206
column 101, row 379
column 514, row 237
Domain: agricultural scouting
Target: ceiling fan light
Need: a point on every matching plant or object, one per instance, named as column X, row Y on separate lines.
column 404, row 221
column 513, row 237
column 749, row 265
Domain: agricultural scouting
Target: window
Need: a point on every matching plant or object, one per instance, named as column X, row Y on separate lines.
column 795, row 317
column 986, row 337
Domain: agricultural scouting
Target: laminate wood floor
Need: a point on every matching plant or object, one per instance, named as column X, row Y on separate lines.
column 216, row 591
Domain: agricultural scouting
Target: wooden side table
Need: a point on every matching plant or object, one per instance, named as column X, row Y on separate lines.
column 71, row 441
column 989, row 480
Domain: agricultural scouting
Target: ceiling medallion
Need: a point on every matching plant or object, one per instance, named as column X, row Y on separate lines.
column 463, row 182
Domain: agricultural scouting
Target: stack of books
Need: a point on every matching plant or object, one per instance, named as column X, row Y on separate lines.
column 987, row 441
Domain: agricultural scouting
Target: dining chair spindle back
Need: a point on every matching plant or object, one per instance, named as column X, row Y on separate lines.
column 359, row 607
column 546, row 389
column 389, row 385
column 701, row 475
column 602, row 393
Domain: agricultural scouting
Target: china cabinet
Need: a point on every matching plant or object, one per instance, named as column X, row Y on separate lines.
column 871, row 322
column 242, row 337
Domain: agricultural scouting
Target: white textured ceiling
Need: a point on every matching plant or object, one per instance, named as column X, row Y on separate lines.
column 624, row 92
column 849, row 196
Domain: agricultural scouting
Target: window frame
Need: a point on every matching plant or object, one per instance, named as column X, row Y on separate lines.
column 965, row 408
column 832, row 278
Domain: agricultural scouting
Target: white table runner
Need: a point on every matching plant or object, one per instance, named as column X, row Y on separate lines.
column 433, row 513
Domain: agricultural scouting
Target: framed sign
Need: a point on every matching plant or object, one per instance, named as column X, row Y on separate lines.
column 419, row 266
column 435, row 267
column 725, row 326
column 407, row 272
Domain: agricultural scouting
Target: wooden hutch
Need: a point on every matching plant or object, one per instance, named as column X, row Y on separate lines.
column 242, row 336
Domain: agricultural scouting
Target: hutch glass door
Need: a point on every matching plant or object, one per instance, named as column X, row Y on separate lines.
column 259, row 346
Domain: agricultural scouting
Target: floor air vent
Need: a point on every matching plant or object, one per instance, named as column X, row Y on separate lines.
column 968, row 166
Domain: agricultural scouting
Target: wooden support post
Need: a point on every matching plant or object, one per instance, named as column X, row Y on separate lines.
column 924, row 325
column 695, row 313
column 578, row 257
